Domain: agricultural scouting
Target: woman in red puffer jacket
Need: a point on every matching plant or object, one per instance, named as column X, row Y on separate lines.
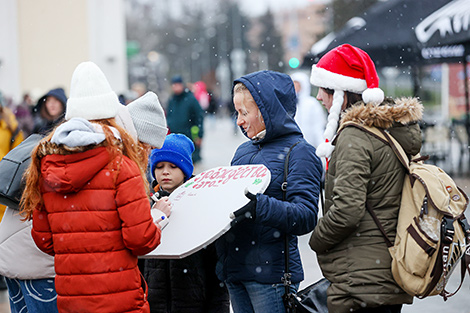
column 86, row 194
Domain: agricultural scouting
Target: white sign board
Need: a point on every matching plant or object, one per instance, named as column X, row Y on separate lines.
column 202, row 206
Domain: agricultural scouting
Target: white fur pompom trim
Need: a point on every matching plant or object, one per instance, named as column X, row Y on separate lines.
column 325, row 149
column 373, row 95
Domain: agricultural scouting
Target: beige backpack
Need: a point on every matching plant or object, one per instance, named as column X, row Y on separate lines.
column 432, row 232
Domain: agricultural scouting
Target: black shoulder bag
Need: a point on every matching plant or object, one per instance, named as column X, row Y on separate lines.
column 12, row 167
column 313, row 298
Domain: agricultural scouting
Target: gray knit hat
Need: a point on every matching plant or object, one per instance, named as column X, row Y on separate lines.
column 124, row 119
column 149, row 119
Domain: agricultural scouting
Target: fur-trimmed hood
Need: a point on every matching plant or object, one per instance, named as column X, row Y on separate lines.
column 399, row 116
column 75, row 136
column 385, row 115
column 62, row 167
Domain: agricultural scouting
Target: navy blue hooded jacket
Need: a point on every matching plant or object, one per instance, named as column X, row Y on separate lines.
column 254, row 250
column 42, row 125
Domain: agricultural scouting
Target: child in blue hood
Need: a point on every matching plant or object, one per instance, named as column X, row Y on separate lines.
column 251, row 255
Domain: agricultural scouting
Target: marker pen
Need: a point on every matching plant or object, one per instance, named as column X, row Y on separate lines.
column 157, row 214
column 154, row 197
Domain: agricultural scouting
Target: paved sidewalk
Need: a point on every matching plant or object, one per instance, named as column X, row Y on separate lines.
column 4, row 304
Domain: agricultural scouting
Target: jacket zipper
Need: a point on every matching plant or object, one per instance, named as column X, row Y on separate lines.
column 253, row 156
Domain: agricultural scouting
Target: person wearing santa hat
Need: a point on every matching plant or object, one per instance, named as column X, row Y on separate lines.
column 350, row 248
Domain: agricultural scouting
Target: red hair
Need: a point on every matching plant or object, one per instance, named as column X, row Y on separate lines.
column 31, row 198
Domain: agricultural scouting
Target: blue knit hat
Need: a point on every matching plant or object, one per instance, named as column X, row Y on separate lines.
column 177, row 149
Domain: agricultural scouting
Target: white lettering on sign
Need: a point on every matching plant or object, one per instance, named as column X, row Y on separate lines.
column 450, row 19
column 453, row 51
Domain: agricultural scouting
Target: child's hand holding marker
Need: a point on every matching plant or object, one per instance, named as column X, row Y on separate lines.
column 161, row 210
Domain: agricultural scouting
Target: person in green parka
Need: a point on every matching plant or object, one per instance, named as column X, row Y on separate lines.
column 185, row 115
column 362, row 169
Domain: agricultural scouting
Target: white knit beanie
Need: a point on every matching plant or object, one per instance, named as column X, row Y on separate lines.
column 344, row 68
column 91, row 96
column 149, row 119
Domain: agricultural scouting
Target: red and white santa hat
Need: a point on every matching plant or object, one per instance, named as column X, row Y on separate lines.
column 344, row 68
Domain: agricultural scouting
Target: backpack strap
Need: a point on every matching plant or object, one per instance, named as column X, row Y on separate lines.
column 287, row 275
column 399, row 152
column 466, row 227
column 464, row 261
column 382, row 135
column 379, row 225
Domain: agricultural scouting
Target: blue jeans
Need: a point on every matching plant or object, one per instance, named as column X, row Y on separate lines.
column 33, row 296
column 253, row 297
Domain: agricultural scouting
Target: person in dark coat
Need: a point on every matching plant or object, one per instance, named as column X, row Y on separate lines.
column 49, row 111
column 187, row 285
column 251, row 257
column 185, row 115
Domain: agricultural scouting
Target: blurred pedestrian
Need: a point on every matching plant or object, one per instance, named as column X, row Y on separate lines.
column 251, row 255
column 49, row 111
column 185, row 116
column 24, row 116
column 201, row 95
column 10, row 135
column 362, row 170
column 138, row 89
column 310, row 116
column 86, row 194
column 189, row 284
column 207, row 101
column 213, row 104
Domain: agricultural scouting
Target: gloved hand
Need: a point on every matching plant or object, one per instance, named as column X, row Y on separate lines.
column 246, row 211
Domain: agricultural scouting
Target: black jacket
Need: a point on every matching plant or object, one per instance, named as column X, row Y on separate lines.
column 187, row 285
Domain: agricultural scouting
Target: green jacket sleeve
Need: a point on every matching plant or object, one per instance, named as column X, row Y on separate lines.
column 352, row 156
